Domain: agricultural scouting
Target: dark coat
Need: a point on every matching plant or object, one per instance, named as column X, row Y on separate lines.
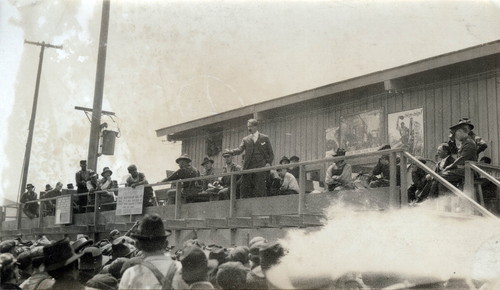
column 256, row 154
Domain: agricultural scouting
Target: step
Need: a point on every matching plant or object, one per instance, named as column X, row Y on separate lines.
column 240, row 222
column 217, row 223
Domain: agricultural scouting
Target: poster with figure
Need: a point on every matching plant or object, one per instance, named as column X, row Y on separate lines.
column 406, row 130
column 332, row 141
column 362, row 132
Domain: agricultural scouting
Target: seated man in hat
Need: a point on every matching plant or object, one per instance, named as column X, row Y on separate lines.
column 157, row 268
column 137, row 178
column 455, row 172
column 289, row 184
column 226, row 180
column 209, row 186
column 432, row 186
column 50, row 205
column 380, row 175
column 274, row 179
column 107, row 184
column 339, row 174
column 481, row 144
column 190, row 189
column 295, row 171
column 419, row 182
column 30, row 209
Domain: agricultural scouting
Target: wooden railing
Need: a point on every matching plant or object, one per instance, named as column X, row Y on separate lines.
column 397, row 196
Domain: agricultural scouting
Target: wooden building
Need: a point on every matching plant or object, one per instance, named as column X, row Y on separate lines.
column 442, row 89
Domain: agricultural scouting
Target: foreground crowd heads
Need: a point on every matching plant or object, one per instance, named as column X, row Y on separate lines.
column 142, row 261
column 146, row 261
column 463, row 145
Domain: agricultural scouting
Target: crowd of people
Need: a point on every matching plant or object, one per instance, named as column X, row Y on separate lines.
column 143, row 259
column 463, row 143
column 138, row 259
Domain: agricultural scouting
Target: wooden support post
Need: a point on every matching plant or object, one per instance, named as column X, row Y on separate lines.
column 40, row 216
column 302, row 189
column 232, row 197
column 178, row 199
column 404, row 182
column 393, row 196
column 469, row 185
column 233, row 237
column 19, row 215
column 96, row 208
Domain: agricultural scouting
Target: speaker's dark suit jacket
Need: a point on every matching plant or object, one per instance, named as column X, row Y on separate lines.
column 257, row 154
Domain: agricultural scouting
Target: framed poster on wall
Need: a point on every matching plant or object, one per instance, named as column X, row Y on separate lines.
column 406, row 130
column 362, row 132
column 332, row 141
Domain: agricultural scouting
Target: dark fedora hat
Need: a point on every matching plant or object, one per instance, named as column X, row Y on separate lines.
column 151, row 227
column 384, row 147
column 226, row 152
column 91, row 259
column 81, row 244
column 106, row 169
column 122, row 249
column 48, row 187
column 59, row 254
column 183, row 157
column 463, row 121
column 295, row 158
column 339, row 152
column 194, row 264
column 270, row 255
column 284, row 159
column 206, row 160
column 29, row 185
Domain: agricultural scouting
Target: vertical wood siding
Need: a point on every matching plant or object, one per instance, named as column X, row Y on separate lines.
column 303, row 134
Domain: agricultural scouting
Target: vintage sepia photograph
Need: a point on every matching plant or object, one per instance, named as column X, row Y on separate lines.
column 249, row 144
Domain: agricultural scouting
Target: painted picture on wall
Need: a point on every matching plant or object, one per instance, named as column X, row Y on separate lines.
column 362, row 132
column 406, row 130
column 332, row 141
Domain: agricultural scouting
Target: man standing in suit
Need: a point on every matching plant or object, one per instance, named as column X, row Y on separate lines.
column 258, row 153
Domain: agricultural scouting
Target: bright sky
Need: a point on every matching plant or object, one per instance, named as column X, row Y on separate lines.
column 175, row 61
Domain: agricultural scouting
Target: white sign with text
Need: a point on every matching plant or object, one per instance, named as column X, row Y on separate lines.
column 130, row 200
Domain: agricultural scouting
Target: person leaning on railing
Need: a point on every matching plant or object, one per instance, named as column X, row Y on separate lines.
column 189, row 189
column 137, row 178
column 225, row 182
column 49, row 206
column 339, row 174
column 30, row 209
column 455, row 172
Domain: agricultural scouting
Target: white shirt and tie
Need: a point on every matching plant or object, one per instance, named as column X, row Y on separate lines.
column 255, row 136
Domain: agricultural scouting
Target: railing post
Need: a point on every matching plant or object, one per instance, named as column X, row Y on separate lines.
column 96, row 208
column 40, row 216
column 469, row 181
column 19, row 215
column 393, row 181
column 178, row 192
column 232, row 196
column 2, row 217
column 469, row 184
column 404, row 181
column 302, row 189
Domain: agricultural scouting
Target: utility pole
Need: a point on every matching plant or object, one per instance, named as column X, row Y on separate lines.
column 27, row 153
column 95, row 126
